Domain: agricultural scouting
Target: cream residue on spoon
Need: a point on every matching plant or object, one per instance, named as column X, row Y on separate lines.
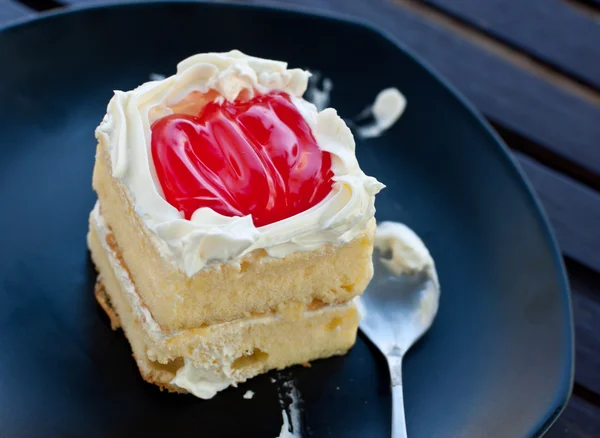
column 403, row 253
column 406, row 252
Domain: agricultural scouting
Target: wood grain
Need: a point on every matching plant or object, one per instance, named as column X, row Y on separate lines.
column 550, row 30
column 510, row 93
column 10, row 11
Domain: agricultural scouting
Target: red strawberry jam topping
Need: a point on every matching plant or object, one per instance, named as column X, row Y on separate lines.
column 256, row 157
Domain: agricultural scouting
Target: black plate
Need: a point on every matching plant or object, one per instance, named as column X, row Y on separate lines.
column 498, row 361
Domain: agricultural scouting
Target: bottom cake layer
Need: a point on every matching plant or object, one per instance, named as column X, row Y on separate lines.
column 205, row 360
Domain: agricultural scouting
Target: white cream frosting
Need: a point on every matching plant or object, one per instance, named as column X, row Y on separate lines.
column 200, row 381
column 209, row 237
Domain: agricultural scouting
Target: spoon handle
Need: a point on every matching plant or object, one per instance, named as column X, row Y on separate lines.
column 398, row 419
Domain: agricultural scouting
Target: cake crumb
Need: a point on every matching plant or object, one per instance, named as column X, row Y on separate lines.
column 273, row 380
column 248, row 395
column 306, row 364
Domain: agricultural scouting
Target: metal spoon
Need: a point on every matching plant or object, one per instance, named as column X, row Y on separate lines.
column 397, row 310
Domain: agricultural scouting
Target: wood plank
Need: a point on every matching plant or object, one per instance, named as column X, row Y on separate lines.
column 580, row 419
column 532, row 26
column 509, row 94
column 10, row 11
column 543, row 155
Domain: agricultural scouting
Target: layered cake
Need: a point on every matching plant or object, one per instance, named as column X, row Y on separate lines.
column 234, row 227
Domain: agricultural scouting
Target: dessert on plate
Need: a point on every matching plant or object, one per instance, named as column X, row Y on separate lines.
column 234, row 227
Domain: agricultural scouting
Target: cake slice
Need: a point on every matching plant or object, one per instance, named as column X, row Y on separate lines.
column 208, row 359
column 234, row 227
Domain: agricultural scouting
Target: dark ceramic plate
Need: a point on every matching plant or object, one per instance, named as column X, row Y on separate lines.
column 498, row 361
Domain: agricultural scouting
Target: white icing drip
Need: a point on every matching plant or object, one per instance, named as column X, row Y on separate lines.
column 210, row 238
column 292, row 425
column 285, row 427
column 385, row 111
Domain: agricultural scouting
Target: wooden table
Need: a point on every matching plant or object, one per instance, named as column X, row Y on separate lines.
column 532, row 67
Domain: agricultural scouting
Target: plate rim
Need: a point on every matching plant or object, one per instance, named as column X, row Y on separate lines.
column 565, row 387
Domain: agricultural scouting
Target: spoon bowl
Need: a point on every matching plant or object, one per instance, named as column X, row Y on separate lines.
column 397, row 310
